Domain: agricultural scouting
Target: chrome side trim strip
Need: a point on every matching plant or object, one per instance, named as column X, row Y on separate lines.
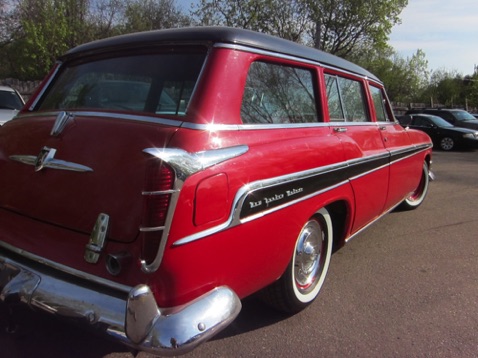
column 238, row 203
column 339, row 174
column 373, row 221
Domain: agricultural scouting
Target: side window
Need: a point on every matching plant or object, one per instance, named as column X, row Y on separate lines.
column 278, row 94
column 336, row 112
column 379, row 103
column 421, row 122
column 346, row 99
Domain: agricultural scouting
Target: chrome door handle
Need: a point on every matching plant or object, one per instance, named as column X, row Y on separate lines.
column 340, row 130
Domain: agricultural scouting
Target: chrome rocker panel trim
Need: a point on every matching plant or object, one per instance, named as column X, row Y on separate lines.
column 132, row 318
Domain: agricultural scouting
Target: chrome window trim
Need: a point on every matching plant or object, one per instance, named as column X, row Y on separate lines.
column 66, row 269
column 293, row 58
column 257, row 51
column 131, row 117
column 45, row 87
column 203, row 126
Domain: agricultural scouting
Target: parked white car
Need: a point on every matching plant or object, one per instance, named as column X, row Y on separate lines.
column 10, row 103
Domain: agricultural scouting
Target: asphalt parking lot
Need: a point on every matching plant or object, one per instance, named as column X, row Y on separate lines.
column 405, row 287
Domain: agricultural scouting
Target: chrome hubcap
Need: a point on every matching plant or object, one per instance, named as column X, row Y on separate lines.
column 309, row 251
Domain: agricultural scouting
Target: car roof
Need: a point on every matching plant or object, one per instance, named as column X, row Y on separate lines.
column 216, row 34
column 7, row 89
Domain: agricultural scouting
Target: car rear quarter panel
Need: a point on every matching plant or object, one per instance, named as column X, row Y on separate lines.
column 259, row 248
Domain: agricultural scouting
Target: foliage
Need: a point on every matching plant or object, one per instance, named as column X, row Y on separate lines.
column 450, row 88
column 336, row 26
column 404, row 78
column 343, row 26
column 144, row 15
column 33, row 33
column 284, row 19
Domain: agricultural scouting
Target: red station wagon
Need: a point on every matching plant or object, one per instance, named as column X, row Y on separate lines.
column 155, row 179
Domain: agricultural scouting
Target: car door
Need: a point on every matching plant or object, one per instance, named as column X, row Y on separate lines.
column 363, row 146
column 402, row 161
column 425, row 125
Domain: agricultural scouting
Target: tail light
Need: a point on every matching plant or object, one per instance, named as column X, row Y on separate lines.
column 158, row 187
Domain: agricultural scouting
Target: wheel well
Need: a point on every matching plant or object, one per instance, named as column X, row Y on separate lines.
column 339, row 213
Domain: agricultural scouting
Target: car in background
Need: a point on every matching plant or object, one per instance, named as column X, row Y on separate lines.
column 443, row 134
column 10, row 103
column 457, row 117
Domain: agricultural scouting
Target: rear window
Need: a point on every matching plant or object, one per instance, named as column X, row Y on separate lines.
column 160, row 83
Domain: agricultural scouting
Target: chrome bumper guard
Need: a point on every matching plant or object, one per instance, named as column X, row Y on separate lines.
column 134, row 319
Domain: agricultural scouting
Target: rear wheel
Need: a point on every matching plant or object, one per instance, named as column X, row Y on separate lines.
column 417, row 197
column 300, row 284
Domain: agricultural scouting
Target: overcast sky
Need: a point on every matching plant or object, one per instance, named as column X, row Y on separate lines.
column 446, row 30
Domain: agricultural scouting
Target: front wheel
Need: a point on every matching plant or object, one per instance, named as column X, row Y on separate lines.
column 447, row 143
column 416, row 198
column 301, row 282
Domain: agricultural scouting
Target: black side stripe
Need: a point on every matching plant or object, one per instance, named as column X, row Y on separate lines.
column 270, row 196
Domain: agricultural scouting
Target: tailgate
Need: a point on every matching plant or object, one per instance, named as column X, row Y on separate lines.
column 99, row 167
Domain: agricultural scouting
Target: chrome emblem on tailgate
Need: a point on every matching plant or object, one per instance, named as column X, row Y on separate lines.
column 46, row 155
column 46, row 160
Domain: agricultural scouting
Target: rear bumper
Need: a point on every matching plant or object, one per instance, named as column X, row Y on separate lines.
column 131, row 317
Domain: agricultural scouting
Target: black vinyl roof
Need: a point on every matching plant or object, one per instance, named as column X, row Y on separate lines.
column 226, row 35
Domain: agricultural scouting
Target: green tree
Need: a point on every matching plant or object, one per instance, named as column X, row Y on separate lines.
column 288, row 19
column 105, row 17
column 405, row 78
column 336, row 26
column 342, row 27
column 445, row 88
column 143, row 15
column 44, row 36
column 470, row 90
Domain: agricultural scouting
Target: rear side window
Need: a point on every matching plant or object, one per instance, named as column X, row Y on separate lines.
column 346, row 100
column 276, row 94
column 160, row 83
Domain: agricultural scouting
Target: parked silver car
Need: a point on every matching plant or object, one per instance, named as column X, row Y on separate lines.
column 10, row 103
